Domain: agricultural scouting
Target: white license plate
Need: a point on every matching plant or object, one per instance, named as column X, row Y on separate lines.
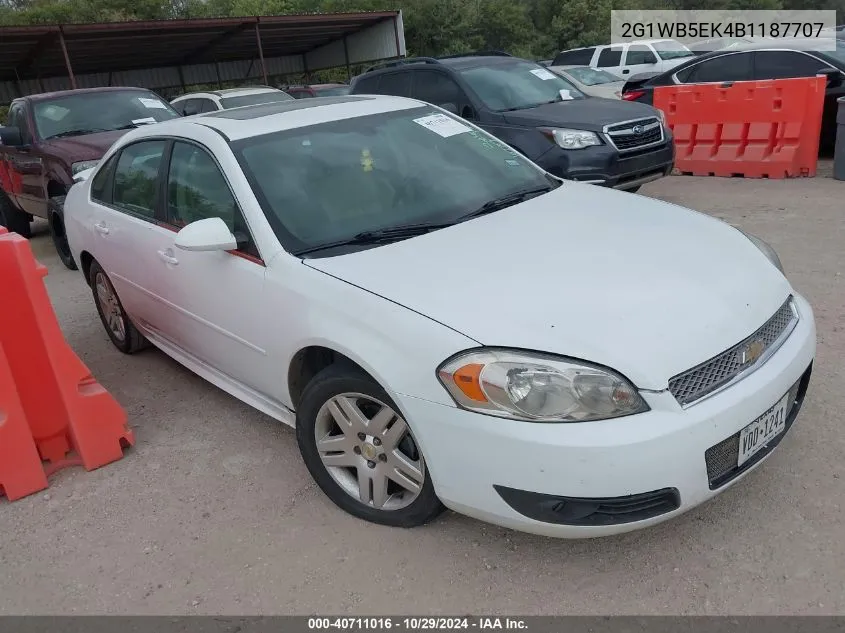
column 759, row 433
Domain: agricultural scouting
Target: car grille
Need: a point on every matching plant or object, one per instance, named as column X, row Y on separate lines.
column 721, row 459
column 699, row 381
column 633, row 135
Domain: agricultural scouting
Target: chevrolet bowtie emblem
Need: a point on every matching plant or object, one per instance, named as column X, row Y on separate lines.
column 752, row 352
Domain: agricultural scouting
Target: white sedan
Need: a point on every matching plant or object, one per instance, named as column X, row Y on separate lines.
column 443, row 322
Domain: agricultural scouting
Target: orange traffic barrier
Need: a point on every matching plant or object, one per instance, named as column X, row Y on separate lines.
column 756, row 129
column 70, row 417
column 21, row 473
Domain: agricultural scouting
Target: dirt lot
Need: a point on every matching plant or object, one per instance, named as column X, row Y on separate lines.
column 213, row 511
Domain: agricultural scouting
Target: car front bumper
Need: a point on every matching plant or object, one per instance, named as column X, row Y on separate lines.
column 604, row 165
column 532, row 476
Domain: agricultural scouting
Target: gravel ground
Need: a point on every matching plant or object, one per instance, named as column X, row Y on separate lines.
column 213, row 512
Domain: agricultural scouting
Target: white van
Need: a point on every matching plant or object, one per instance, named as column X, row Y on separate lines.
column 628, row 59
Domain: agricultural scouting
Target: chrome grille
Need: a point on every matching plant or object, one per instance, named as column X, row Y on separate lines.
column 633, row 135
column 699, row 381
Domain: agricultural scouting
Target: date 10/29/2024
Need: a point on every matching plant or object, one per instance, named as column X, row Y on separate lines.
column 416, row 623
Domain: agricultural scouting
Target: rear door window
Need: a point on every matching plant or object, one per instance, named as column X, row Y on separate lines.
column 395, row 84
column 580, row 57
column 610, row 57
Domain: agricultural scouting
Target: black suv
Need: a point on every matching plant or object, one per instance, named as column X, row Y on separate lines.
column 538, row 113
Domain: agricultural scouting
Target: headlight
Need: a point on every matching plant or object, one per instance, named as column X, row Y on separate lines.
column 537, row 387
column 765, row 248
column 572, row 139
column 661, row 116
column 82, row 166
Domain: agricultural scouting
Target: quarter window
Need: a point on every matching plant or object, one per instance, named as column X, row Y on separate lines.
column 136, row 178
column 734, row 67
column 785, row 65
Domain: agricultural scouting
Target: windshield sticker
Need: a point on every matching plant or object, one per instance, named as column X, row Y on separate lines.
column 441, row 124
column 144, row 121
column 153, row 104
column 565, row 95
column 543, row 74
column 54, row 112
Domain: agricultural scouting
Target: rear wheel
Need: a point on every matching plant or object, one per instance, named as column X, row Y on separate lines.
column 361, row 452
column 14, row 220
column 123, row 334
column 56, row 215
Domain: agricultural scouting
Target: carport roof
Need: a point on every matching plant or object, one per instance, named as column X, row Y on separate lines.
column 30, row 51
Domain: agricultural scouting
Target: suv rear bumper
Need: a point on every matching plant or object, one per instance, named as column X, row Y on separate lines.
column 603, row 165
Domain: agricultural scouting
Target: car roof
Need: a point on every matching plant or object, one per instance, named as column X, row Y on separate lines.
column 227, row 92
column 256, row 120
column 57, row 94
column 796, row 44
column 473, row 61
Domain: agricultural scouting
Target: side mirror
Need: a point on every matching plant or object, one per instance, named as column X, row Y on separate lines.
column 11, row 136
column 833, row 75
column 210, row 234
column 449, row 107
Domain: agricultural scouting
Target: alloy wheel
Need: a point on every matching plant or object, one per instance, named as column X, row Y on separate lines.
column 368, row 449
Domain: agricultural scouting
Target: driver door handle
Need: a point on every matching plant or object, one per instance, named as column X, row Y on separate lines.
column 167, row 256
column 101, row 228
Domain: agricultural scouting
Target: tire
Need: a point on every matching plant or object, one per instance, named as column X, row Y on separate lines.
column 56, row 215
column 14, row 220
column 123, row 334
column 410, row 503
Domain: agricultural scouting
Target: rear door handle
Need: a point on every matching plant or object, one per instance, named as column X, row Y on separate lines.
column 101, row 228
column 167, row 256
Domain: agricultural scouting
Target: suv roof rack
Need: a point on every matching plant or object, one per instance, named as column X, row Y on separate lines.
column 402, row 62
column 477, row 54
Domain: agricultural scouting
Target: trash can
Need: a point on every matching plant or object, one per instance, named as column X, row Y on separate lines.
column 839, row 151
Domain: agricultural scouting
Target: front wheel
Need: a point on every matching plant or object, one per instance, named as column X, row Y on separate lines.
column 361, row 452
column 14, row 220
column 56, row 215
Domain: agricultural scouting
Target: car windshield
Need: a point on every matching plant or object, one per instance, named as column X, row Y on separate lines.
column 255, row 99
column 516, row 85
column 591, row 76
column 329, row 182
column 669, row 49
column 334, row 91
column 90, row 112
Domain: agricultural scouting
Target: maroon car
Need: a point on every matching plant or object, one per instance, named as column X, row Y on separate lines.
column 50, row 137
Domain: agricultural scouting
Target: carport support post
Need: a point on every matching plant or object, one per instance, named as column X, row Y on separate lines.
column 67, row 59
column 261, row 54
column 346, row 57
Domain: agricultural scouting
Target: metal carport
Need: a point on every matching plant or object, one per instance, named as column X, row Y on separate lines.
column 169, row 53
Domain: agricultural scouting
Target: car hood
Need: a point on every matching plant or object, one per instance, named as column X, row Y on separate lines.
column 645, row 287
column 88, row 147
column 584, row 114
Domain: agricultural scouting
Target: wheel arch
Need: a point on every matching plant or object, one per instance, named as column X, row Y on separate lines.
column 311, row 359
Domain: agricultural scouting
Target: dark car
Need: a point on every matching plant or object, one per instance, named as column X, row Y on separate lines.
column 538, row 113
column 49, row 138
column 317, row 90
column 781, row 60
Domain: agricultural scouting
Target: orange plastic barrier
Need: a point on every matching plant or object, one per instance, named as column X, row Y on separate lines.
column 71, row 419
column 756, row 129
